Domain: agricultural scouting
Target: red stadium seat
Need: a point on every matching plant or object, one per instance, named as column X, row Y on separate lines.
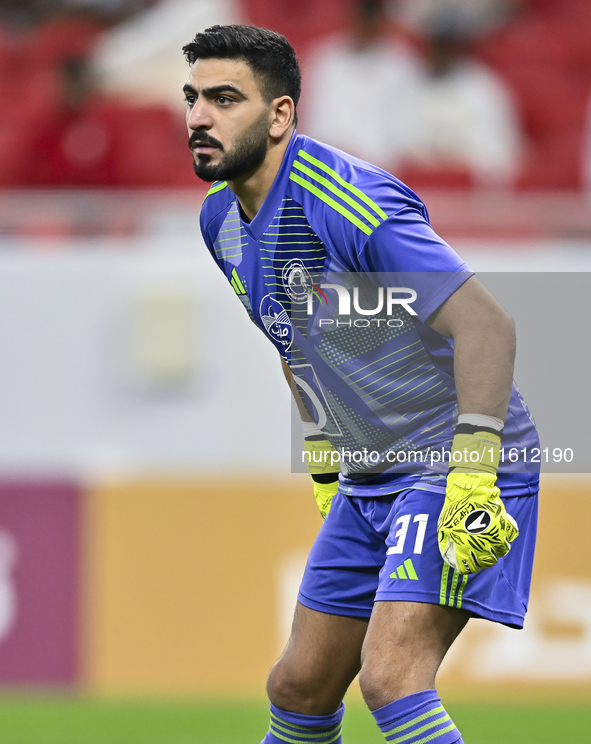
column 108, row 144
column 544, row 55
column 151, row 148
column 554, row 162
column 549, row 101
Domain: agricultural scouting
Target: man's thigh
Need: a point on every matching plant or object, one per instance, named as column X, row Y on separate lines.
column 321, row 659
column 404, row 647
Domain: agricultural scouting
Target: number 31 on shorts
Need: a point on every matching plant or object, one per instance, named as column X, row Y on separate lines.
column 401, row 534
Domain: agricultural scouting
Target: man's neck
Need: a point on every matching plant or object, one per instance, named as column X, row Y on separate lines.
column 253, row 188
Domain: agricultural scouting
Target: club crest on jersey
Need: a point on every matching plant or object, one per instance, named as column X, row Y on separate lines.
column 298, row 285
column 276, row 321
column 296, row 280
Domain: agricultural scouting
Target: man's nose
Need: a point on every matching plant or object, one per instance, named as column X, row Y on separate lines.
column 199, row 117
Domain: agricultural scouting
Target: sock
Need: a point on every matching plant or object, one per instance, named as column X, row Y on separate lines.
column 295, row 728
column 417, row 719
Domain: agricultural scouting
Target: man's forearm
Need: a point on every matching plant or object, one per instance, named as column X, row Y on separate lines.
column 484, row 348
column 483, row 368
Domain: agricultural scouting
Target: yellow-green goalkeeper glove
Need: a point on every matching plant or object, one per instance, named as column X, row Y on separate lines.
column 474, row 529
column 321, row 466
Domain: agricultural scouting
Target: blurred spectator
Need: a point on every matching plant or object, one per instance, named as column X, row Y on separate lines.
column 304, row 22
column 85, row 139
column 58, row 129
column 545, row 55
column 16, row 15
column 142, row 58
column 476, row 15
column 30, row 55
column 448, row 121
column 467, row 121
column 360, row 88
column 110, row 11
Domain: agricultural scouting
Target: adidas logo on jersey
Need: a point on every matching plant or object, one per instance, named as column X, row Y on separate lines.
column 236, row 283
column 405, row 571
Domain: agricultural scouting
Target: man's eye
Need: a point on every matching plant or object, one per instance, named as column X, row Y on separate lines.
column 224, row 100
column 190, row 100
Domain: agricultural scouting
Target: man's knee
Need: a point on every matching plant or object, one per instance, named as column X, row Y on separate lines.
column 381, row 685
column 282, row 685
column 385, row 679
column 298, row 689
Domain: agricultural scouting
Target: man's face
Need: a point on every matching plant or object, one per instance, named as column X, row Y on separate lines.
column 227, row 119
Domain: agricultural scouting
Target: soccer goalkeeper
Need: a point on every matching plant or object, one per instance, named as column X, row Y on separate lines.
column 397, row 352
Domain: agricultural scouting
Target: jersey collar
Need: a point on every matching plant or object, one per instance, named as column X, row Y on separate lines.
column 276, row 194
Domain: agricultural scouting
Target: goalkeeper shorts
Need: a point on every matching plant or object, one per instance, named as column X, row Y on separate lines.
column 386, row 549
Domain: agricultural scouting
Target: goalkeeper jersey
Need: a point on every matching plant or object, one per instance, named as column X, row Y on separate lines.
column 340, row 269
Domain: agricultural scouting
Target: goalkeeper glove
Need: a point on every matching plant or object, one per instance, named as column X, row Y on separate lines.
column 321, row 467
column 474, row 529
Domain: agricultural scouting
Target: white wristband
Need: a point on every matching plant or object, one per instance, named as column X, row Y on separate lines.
column 479, row 419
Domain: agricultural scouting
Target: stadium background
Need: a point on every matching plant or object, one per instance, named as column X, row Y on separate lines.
column 151, row 534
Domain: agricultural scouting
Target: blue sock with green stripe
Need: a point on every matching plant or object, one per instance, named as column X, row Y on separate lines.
column 295, row 728
column 417, row 719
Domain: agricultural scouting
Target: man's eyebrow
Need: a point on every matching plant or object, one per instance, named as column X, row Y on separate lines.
column 215, row 90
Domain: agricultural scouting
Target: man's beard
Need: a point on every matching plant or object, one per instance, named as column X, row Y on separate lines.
column 246, row 156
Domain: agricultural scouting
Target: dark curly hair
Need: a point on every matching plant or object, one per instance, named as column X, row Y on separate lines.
column 270, row 56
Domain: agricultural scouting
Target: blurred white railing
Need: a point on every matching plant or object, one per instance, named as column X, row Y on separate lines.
column 454, row 214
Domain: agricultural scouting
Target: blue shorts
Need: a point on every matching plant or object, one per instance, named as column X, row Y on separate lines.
column 386, row 549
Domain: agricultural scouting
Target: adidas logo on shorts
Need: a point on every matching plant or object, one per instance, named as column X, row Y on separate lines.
column 405, row 571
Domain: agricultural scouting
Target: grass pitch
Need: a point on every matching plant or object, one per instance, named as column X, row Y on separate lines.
column 71, row 720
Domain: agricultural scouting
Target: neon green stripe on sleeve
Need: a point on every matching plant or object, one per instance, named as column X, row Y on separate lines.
column 353, row 189
column 341, row 194
column 331, row 203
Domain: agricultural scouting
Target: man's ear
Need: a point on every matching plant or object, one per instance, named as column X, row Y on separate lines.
column 282, row 116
